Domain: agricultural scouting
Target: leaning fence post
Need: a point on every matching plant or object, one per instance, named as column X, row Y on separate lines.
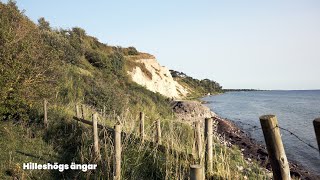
column 158, row 132
column 316, row 125
column 117, row 152
column 45, row 115
column 196, row 172
column 142, row 126
column 277, row 155
column 209, row 151
column 198, row 142
column 95, row 136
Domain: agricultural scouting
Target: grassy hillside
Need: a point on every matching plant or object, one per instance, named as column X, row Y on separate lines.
column 66, row 67
column 19, row 145
column 69, row 67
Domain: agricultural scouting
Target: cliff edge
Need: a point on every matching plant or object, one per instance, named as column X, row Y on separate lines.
column 150, row 74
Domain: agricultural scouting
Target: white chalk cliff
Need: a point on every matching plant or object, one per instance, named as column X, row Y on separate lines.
column 161, row 80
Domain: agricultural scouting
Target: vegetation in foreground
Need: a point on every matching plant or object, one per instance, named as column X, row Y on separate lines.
column 69, row 67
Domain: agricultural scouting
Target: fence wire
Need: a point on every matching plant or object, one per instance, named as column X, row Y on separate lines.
column 255, row 127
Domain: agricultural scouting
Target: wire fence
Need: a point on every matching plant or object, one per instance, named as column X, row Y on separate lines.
column 255, row 127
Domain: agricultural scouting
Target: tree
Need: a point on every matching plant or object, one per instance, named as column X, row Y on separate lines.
column 79, row 32
column 43, row 24
column 132, row 51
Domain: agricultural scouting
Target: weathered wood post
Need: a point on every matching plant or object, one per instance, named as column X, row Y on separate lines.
column 158, row 139
column 82, row 111
column 45, row 113
column 142, row 126
column 196, row 172
column 209, row 151
column 316, row 125
column 117, row 152
column 198, row 142
column 277, row 155
column 77, row 111
column 95, row 136
column 104, row 111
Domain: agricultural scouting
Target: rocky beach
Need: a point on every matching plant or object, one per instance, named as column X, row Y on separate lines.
column 230, row 134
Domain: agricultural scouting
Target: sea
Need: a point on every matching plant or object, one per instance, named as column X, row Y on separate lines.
column 295, row 111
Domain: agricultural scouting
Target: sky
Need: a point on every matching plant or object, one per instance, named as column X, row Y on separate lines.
column 272, row 44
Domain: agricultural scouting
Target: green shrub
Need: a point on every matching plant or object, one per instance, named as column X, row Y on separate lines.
column 131, row 51
column 14, row 108
column 62, row 47
column 96, row 59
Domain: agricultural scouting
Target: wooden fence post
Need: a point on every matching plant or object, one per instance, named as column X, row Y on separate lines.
column 316, row 125
column 77, row 111
column 196, row 172
column 142, row 126
column 104, row 111
column 117, row 152
column 198, row 139
column 45, row 113
column 277, row 155
column 158, row 132
column 209, row 151
column 95, row 136
column 82, row 111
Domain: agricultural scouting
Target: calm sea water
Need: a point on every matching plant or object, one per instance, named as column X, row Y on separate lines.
column 295, row 111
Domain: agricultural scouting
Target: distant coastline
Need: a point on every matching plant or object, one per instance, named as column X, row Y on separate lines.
column 237, row 90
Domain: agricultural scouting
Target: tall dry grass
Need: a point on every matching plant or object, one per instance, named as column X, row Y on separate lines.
column 141, row 161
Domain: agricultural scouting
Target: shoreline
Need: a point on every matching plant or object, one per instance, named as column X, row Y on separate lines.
column 231, row 134
column 252, row 149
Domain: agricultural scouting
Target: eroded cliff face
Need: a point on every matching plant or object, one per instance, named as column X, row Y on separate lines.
column 157, row 79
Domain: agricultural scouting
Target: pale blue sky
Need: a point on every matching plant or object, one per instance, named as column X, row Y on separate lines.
column 272, row 44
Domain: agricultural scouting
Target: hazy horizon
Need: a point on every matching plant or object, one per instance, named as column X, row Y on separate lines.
column 241, row 45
